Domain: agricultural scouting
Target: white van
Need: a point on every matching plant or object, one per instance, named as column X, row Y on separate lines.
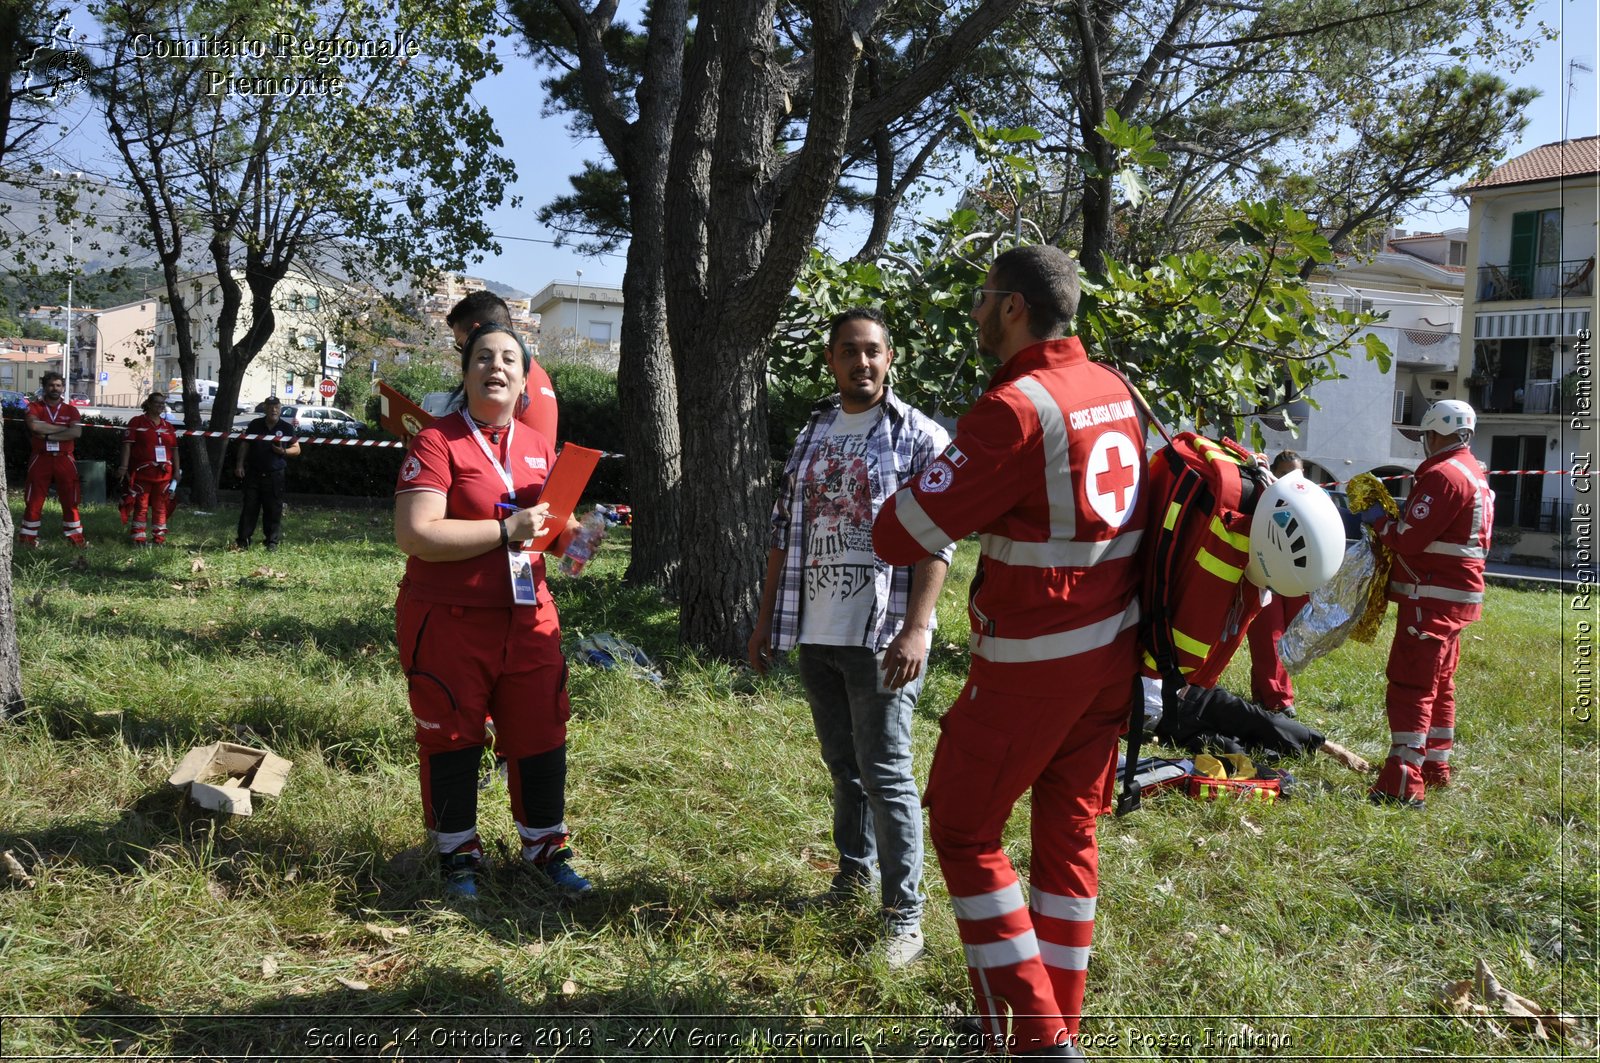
column 208, row 395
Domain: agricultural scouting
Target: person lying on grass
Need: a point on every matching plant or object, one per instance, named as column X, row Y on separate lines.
column 1217, row 720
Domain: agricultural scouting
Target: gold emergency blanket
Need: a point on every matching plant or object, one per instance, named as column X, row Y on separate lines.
column 1352, row 604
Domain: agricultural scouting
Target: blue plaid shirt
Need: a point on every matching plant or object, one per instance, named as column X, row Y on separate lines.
column 903, row 441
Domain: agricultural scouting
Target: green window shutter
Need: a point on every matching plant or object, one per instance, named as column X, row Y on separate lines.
column 1524, row 248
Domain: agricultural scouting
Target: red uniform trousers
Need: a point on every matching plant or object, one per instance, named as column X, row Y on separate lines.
column 1061, row 740
column 44, row 470
column 1270, row 685
column 150, row 494
column 1421, row 702
column 464, row 664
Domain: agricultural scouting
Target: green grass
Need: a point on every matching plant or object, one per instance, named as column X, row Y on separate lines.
column 1322, row 924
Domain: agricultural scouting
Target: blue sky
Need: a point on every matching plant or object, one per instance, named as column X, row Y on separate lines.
column 530, row 265
column 546, row 153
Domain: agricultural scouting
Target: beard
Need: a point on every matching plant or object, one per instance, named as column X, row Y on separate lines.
column 989, row 337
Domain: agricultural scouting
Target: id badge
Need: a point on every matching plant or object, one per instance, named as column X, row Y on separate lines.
column 524, row 591
column 52, row 447
column 161, row 455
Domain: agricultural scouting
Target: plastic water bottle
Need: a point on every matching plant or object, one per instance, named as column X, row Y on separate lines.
column 584, row 544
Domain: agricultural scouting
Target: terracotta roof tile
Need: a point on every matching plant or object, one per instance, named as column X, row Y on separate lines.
column 1564, row 158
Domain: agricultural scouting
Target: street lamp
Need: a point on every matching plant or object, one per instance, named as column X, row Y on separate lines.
column 577, row 315
column 72, row 236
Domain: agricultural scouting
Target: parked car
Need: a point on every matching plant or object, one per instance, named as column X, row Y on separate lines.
column 322, row 420
column 14, row 400
column 78, row 400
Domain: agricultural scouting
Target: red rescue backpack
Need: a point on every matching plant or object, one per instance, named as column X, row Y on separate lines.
column 1195, row 604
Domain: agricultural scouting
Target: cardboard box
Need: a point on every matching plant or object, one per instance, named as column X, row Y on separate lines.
column 224, row 775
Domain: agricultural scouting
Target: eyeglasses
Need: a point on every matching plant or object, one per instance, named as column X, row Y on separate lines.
column 978, row 296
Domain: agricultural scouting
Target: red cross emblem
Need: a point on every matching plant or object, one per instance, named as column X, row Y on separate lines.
column 936, row 477
column 1112, row 483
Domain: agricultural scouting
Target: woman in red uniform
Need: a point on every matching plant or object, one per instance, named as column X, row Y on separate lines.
column 150, row 455
column 477, row 628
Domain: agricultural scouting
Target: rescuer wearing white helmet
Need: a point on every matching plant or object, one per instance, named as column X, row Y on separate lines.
column 1440, row 543
column 1270, row 684
column 1296, row 537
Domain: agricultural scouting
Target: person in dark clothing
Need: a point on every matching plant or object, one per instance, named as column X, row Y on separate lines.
column 260, row 465
column 1219, row 721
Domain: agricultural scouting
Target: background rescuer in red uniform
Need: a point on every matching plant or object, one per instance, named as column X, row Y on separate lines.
column 53, row 425
column 149, row 466
column 1048, row 467
column 1440, row 544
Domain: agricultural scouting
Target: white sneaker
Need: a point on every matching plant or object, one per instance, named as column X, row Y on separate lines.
column 903, row 949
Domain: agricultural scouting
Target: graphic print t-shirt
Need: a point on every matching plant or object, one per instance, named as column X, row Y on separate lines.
column 837, row 594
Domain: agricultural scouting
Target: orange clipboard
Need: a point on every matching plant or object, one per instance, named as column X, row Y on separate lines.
column 398, row 415
column 568, row 477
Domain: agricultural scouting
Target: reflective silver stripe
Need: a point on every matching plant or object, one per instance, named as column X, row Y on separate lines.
column 1064, row 957
column 1057, row 462
column 1058, row 644
column 1406, row 738
column 1455, row 550
column 450, row 841
column 1059, row 553
column 915, row 520
column 1407, row 754
column 1055, row 906
column 1441, row 732
column 1445, row 594
column 1003, row 901
column 1003, row 953
column 1438, row 756
column 1479, row 495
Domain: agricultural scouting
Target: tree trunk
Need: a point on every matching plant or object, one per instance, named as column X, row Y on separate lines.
column 646, row 381
column 11, row 703
column 648, row 399
column 1097, row 193
column 723, row 414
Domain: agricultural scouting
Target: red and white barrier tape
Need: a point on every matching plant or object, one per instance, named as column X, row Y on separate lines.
column 301, row 437
column 1331, row 484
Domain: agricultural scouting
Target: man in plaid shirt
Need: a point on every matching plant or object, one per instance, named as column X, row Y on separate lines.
column 862, row 625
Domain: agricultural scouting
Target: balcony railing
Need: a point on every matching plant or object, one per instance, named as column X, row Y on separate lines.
column 1548, row 281
column 1509, row 395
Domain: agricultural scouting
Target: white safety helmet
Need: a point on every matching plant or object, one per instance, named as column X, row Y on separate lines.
column 1296, row 537
column 1448, row 417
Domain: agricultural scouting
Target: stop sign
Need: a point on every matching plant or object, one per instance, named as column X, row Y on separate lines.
column 327, row 388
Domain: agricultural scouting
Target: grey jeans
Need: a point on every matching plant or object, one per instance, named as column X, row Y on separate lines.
column 865, row 733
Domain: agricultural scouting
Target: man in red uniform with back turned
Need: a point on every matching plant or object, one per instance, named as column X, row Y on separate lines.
column 53, row 426
column 1048, row 467
column 1440, row 544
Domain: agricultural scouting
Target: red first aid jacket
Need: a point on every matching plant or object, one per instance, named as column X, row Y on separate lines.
column 1442, row 539
column 144, row 434
column 61, row 413
column 1048, row 466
